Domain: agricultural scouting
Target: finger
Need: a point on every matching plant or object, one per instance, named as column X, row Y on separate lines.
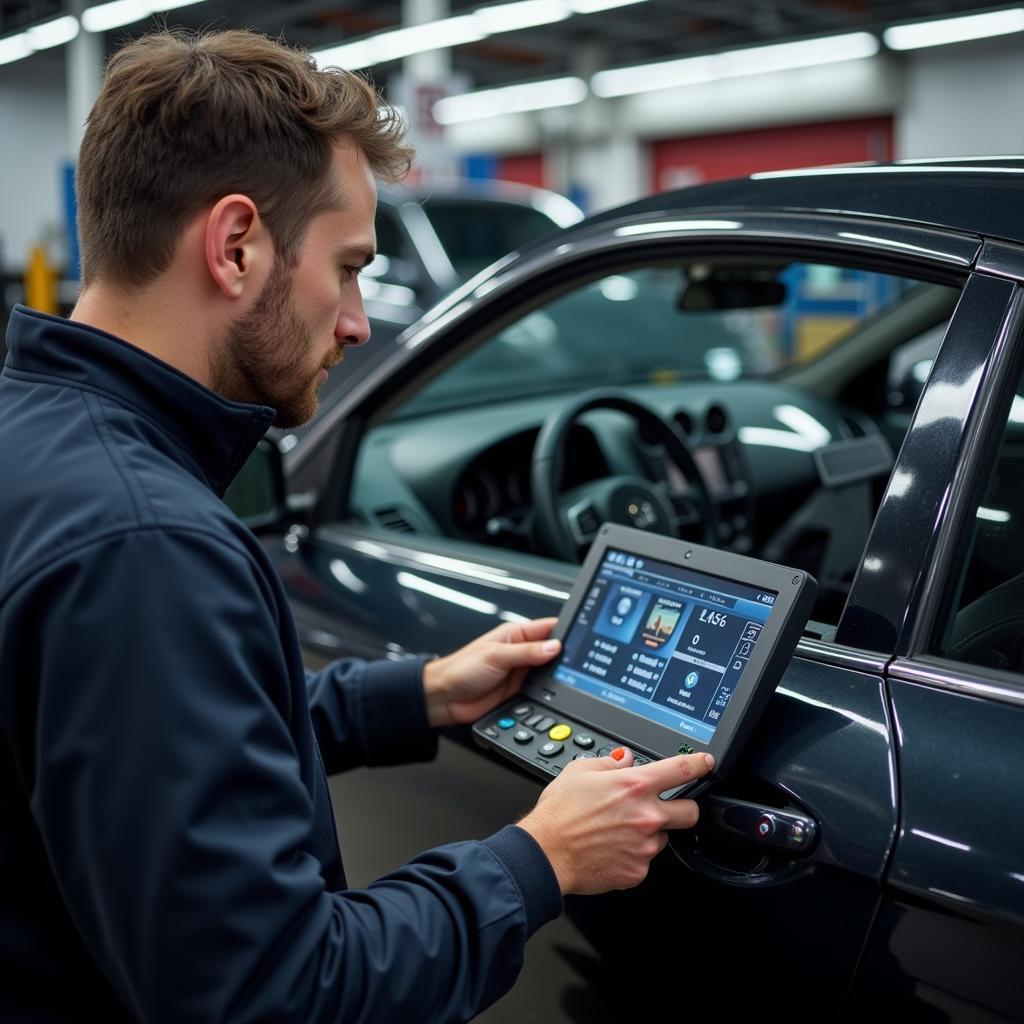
column 621, row 757
column 674, row 771
column 681, row 813
column 518, row 632
column 516, row 655
column 537, row 629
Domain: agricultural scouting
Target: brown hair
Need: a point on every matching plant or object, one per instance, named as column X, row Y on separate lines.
column 184, row 119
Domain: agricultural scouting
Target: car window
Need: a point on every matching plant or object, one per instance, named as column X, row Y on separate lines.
column 774, row 375
column 663, row 324
column 985, row 621
column 475, row 234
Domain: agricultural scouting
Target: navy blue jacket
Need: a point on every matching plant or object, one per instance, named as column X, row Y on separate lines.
column 167, row 845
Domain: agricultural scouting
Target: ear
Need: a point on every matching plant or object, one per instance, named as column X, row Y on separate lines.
column 238, row 247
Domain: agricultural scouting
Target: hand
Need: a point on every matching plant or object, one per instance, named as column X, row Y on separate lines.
column 601, row 822
column 480, row 676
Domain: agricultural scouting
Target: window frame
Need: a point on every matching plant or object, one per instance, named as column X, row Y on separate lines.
column 461, row 321
column 920, row 659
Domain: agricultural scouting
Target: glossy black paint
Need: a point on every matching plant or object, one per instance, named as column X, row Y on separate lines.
column 951, row 932
column 887, row 590
column 823, row 747
column 912, row 902
column 971, row 196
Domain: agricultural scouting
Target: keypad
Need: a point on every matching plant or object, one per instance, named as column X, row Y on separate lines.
column 516, row 727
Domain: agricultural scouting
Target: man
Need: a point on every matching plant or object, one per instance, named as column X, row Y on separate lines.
column 168, row 850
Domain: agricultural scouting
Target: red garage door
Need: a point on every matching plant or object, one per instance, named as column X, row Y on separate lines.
column 527, row 169
column 679, row 162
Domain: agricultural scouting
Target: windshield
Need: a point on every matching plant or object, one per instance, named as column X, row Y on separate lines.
column 631, row 328
column 478, row 232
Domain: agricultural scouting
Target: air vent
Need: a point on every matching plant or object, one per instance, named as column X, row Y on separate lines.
column 715, row 419
column 394, row 519
column 685, row 422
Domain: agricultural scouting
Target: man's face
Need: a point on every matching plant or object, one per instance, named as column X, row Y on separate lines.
column 279, row 352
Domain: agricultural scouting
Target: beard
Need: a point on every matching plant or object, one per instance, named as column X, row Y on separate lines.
column 261, row 353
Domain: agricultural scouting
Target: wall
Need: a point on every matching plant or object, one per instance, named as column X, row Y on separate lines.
column 963, row 100
column 33, row 149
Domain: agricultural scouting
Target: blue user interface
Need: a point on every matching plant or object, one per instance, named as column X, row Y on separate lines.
column 663, row 642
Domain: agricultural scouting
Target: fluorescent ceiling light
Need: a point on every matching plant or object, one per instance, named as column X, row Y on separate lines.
column 645, row 77
column 114, row 14
column 754, row 60
column 523, row 14
column 53, row 33
column 14, row 48
column 446, row 32
column 511, row 99
column 954, row 30
column 403, row 42
column 104, row 17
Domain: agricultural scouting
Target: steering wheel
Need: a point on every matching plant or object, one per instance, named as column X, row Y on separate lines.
column 566, row 522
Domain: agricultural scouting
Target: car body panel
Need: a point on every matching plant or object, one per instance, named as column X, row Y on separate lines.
column 912, row 899
column 950, row 935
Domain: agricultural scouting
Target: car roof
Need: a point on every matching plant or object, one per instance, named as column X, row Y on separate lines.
column 561, row 211
column 976, row 195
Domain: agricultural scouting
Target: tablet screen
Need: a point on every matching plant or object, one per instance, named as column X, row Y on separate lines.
column 662, row 641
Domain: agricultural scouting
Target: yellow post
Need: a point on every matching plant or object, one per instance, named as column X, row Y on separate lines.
column 40, row 282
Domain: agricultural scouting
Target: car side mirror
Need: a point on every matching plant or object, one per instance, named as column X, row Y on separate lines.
column 257, row 494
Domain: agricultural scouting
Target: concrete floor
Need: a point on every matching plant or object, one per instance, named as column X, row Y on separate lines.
column 387, row 815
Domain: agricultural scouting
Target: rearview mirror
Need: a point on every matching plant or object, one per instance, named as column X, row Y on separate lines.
column 709, row 288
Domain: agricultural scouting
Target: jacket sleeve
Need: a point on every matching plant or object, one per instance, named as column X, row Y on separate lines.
column 176, row 811
column 370, row 713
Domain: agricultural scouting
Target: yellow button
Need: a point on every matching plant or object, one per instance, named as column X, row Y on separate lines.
column 560, row 732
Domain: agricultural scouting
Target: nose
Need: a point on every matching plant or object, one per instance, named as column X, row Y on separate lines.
column 352, row 326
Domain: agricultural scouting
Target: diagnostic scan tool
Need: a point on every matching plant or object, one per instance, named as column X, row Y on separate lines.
column 667, row 648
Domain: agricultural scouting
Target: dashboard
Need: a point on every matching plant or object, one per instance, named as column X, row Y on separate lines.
column 466, row 473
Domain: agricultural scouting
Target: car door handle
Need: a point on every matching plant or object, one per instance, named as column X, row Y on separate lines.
column 767, row 827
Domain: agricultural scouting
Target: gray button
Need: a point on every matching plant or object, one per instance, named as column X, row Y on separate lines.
column 551, row 749
column 522, row 736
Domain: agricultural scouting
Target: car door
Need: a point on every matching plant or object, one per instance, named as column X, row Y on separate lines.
column 949, row 940
column 727, row 919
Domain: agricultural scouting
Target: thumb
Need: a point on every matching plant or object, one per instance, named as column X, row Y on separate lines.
column 620, row 757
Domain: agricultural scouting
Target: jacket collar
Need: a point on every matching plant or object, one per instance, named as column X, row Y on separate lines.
column 218, row 435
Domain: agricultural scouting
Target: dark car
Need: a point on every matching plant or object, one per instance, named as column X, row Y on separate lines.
column 841, row 351
column 429, row 240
